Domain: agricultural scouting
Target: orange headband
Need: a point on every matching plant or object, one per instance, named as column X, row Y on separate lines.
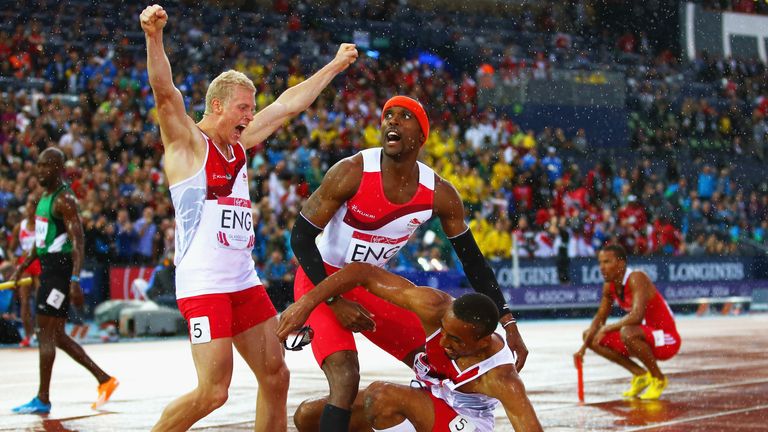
column 413, row 106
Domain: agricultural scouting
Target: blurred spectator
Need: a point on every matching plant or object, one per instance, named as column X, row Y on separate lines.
column 563, row 259
column 278, row 275
column 162, row 284
column 553, row 165
column 633, row 214
column 707, row 182
column 125, row 238
column 146, row 232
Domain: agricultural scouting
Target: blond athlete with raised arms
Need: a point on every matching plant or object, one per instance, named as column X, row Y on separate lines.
column 217, row 288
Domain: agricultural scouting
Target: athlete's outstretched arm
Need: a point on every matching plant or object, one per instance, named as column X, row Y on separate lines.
column 427, row 303
column 450, row 210
column 504, row 384
column 297, row 98
column 597, row 322
column 175, row 124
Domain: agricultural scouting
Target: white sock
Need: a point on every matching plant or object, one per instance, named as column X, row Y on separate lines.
column 405, row 426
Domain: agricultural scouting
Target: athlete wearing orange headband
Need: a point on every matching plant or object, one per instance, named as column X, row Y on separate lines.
column 367, row 207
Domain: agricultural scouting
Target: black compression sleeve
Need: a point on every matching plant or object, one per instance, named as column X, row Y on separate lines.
column 303, row 244
column 478, row 270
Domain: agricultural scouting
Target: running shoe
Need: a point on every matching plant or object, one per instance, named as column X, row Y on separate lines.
column 105, row 391
column 35, row 406
column 25, row 343
column 655, row 389
column 639, row 383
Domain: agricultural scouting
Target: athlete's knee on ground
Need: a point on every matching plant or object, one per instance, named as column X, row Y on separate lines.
column 307, row 415
column 380, row 401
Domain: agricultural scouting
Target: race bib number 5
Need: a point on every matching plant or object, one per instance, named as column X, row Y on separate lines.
column 199, row 330
column 461, row 424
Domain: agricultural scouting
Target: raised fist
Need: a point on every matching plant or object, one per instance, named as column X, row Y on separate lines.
column 153, row 19
column 346, row 55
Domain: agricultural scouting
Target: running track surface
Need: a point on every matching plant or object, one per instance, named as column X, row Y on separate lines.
column 718, row 382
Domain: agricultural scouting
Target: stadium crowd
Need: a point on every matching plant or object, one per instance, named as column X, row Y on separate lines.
column 85, row 89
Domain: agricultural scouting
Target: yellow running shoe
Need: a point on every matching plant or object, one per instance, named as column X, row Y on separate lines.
column 639, row 383
column 105, row 391
column 654, row 390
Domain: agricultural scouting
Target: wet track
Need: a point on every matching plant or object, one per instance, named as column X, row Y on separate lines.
column 718, row 382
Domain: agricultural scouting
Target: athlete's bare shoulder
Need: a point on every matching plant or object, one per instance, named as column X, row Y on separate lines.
column 345, row 175
column 448, row 207
column 638, row 280
column 340, row 183
column 444, row 189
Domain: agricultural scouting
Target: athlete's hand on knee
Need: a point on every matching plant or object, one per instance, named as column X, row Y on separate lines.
column 353, row 316
column 292, row 318
column 153, row 19
column 76, row 293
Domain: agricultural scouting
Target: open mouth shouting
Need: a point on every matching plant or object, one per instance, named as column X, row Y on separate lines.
column 239, row 129
column 393, row 136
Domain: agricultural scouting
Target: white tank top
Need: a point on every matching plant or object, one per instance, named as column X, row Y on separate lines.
column 26, row 237
column 214, row 227
column 368, row 227
column 443, row 377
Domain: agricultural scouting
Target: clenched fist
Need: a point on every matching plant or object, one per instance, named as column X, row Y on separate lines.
column 346, row 55
column 153, row 19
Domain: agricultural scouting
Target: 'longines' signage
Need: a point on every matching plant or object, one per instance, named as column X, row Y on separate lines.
column 706, row 272
column 584, row 271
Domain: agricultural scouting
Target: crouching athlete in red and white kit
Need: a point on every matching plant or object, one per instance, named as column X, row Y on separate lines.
column 217, row 288
column 647, row 332
column 463, row 369
column 367, row 208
